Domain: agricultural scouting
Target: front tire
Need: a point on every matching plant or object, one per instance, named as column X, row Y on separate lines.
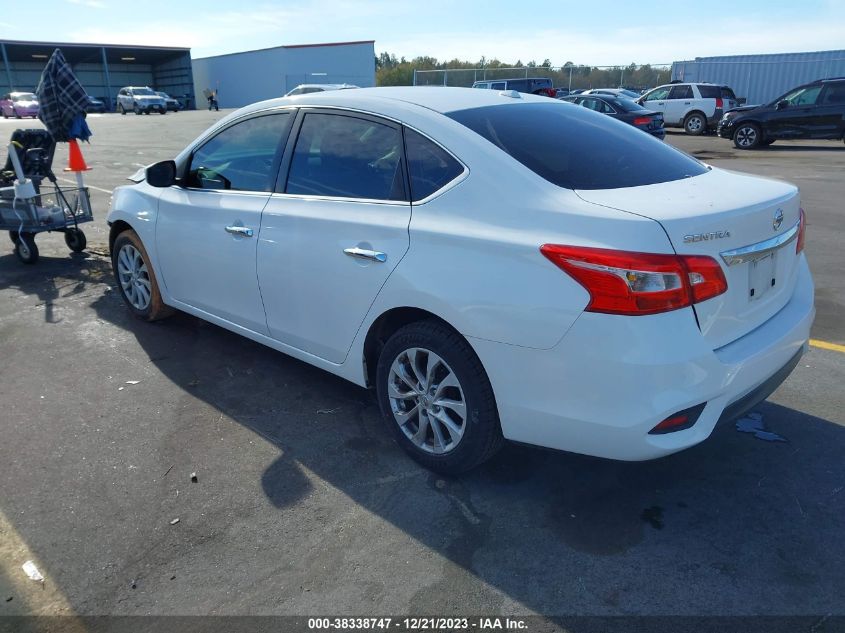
column 136, row 279
column 747, row 136
column 121, row 109
column 25, row 248
column 695, row 124
column 436, row 398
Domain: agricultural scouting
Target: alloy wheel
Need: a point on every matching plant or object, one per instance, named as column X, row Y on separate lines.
column 427, row 400
column 746, row 136
column 134, row 277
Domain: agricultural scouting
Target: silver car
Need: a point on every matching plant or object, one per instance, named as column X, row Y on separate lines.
column 140, row 100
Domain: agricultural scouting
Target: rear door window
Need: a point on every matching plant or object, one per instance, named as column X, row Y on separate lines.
column 834, row 94
column 347, row 157
column 576, row 149
column 681, row 92
column 430, row 167
column 499, row 85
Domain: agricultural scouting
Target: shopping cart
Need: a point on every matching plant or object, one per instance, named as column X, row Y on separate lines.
column 26, row 210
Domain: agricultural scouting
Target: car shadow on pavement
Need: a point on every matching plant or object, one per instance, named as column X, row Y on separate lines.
column 53, row 277
column 734, row 525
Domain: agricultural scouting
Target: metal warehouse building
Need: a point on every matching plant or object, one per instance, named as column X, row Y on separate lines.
column 762, row 78
column 243, row 78
column 103, row 69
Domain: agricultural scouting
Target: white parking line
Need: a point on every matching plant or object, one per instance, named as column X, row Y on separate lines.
column 73, row 182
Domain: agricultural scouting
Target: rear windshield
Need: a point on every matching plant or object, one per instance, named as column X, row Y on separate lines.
column 626, row 105
column 575, row 148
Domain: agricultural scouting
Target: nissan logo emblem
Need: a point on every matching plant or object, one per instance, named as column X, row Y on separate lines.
column 778, row 219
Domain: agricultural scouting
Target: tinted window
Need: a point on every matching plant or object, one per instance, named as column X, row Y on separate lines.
column 626, row 105
column 499, row 85
column 430, row 167
column 576, row 149
column 347, row 157
column 241, row 157
column 709, row 92
column 520, row 85
column 834, row 94
column 681, row 92
column 727, row 93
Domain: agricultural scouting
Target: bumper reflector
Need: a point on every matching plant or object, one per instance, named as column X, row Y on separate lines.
column 679, row 421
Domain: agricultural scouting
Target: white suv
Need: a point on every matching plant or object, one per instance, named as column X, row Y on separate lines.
column 696, row 107
column 140, row 100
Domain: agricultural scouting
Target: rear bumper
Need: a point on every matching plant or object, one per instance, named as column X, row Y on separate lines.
column 611, row 379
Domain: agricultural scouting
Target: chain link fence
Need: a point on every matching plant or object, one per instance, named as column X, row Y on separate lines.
column 570, row 77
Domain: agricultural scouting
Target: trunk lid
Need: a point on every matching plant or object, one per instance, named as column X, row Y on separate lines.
column 734, row 219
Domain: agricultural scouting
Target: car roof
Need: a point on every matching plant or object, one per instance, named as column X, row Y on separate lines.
column 437, row 98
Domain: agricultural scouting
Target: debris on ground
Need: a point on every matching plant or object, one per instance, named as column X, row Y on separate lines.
column 167, row 471
column 327, row 411
column 193, row 383
column 174, row 521
column 133, row 585
column 10, row 598
column 753, row 423
column 132, row 382
column 194, row 478
column 31, row 570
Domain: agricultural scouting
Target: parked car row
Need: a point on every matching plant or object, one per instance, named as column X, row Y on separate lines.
column 622, row 109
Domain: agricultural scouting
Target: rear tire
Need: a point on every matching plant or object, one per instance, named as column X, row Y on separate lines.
column 136, row 278
column 436, row 398
column 747, row 136
column 695, row 124
column 75, row 240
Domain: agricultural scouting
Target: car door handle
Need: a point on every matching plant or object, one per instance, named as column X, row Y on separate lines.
column 240, row 230
column 363, row 253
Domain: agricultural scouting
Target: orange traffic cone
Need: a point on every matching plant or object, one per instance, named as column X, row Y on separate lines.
column 75, row 161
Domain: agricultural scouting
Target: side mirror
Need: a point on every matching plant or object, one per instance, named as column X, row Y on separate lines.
column 782, row 104
column 162, row 174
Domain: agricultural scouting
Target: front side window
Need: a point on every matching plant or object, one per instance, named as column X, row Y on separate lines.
column 347, row 157
column 241, row 157
column 658, row 94
column 575, row 149
column 803, row 96
column 430, row 167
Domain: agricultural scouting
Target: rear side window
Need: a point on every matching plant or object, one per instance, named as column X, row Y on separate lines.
column 709, row 92
column 577, row 149
column 241, row 157
column 727, row 93
column 429, row 165
column 834, row 94
column 347, row 157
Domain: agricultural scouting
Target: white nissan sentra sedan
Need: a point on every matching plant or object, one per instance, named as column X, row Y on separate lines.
column 495, row 265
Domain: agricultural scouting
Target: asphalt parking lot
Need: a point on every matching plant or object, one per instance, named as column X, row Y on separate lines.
column 302, row 504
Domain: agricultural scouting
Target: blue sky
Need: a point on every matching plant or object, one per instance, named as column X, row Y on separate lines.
column 582, row 32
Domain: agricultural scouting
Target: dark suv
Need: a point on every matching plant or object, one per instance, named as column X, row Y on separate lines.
column 533, row 85
column 815, row 110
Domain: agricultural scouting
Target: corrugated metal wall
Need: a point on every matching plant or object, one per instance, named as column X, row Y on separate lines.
column 244, row 78
column 762, row 78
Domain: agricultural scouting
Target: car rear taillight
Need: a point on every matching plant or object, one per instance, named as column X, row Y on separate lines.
column 802, row 226
column 550, row 92
column 718, row 102
column 623, row 282
column 642, row 120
